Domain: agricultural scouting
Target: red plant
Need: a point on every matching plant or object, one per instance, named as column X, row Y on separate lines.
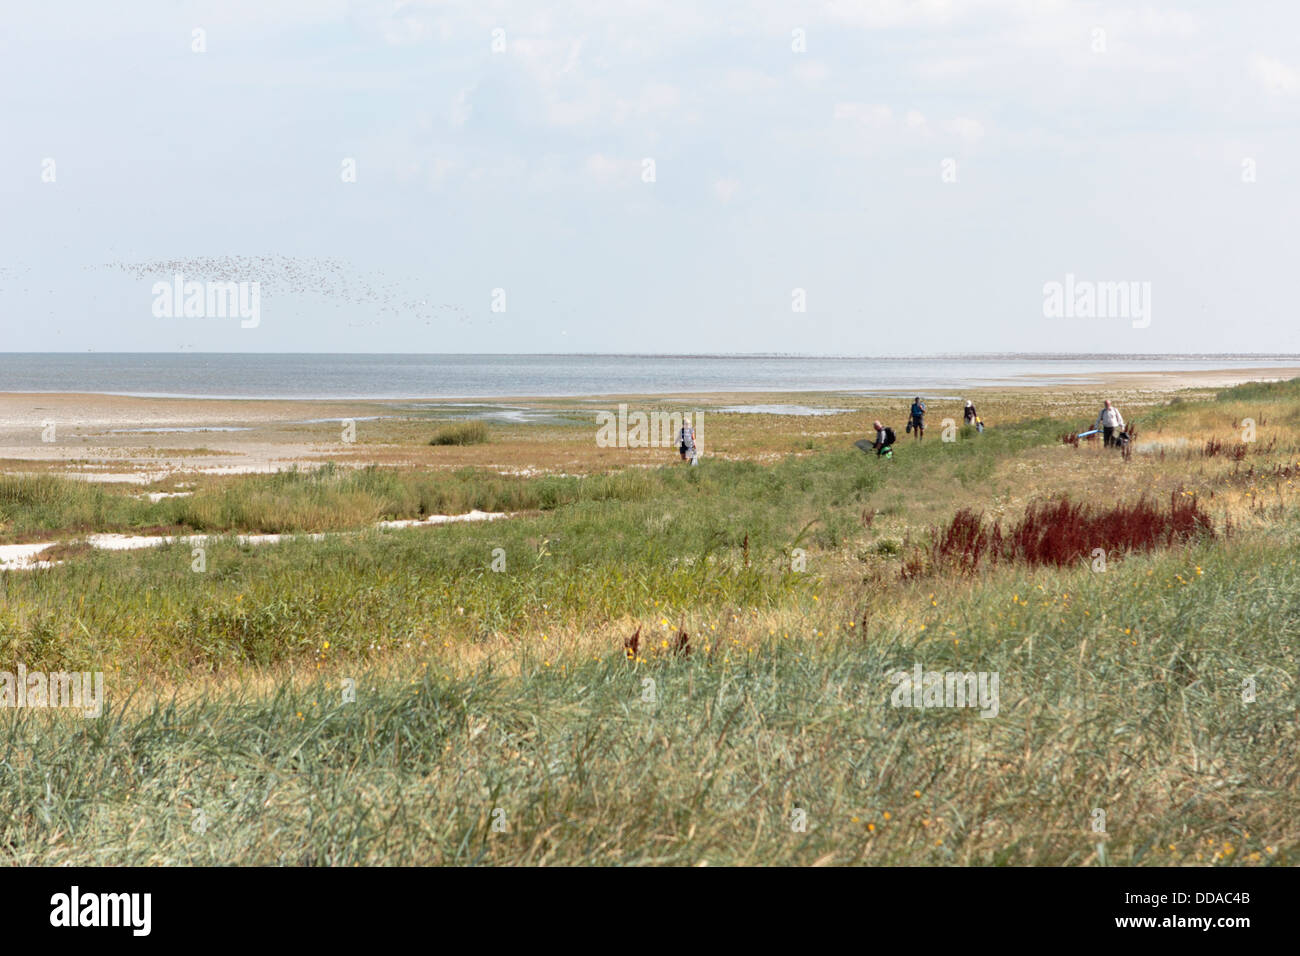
column 966, row 542
column 1212, row 447
column 682, row 646
column 632, row 644
column 1062, row 532
column 913, row 566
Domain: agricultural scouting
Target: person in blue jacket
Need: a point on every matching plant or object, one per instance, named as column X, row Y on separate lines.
column 916, row 422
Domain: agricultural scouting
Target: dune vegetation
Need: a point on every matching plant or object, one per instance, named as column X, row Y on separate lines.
column 674, row 664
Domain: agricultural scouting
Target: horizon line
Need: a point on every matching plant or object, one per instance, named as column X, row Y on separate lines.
column 947, row 356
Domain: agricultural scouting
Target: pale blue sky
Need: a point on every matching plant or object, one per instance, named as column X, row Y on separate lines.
column 775, row 170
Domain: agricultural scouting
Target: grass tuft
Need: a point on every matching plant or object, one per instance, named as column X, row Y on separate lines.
column 467, row 433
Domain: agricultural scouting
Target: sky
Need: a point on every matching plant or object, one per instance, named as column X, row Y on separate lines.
column 871, row 177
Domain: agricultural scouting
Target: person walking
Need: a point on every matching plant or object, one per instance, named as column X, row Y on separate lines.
column 916, row 422
column 972, row 417
column 687, row 444
column 1109, row 421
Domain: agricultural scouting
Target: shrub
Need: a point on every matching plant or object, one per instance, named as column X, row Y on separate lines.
column 468, row 433
column 1062, row 532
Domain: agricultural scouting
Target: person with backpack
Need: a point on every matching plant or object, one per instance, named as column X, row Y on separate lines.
column 884, row 443
column 916, row 420
column 1109, row 421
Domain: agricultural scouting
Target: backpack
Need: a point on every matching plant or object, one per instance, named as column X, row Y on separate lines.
column 890, row 437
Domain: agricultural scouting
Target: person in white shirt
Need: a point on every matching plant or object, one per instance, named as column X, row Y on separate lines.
column 1109, row 421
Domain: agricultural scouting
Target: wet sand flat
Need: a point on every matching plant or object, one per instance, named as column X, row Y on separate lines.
column 138, row 440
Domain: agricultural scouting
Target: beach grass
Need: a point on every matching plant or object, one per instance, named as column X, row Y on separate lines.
column 469, row 433
column 500, row 716
column 572, row 753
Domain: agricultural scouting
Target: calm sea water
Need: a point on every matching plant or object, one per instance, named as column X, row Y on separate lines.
column 478, row 376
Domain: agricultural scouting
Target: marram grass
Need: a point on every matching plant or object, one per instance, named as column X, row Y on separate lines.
column 498, row 718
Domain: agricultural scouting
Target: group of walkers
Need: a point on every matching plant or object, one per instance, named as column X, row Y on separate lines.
column 885, row 437
column 1110, row 423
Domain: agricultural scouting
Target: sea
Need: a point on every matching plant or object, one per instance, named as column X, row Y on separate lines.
column 380, row 376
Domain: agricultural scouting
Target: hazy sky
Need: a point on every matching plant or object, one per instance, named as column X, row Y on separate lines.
column 794, row 146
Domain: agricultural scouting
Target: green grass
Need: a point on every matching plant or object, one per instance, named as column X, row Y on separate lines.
column 601, row 548
column 480, row 690
column 468, row 433
column 1151, row 729
column 34, row 504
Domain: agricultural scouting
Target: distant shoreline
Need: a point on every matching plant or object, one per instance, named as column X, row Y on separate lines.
column 1160, row 381
column 1157, row 380
column 1285, row 357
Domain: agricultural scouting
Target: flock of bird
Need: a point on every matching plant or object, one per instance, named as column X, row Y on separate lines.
column 376, row 295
